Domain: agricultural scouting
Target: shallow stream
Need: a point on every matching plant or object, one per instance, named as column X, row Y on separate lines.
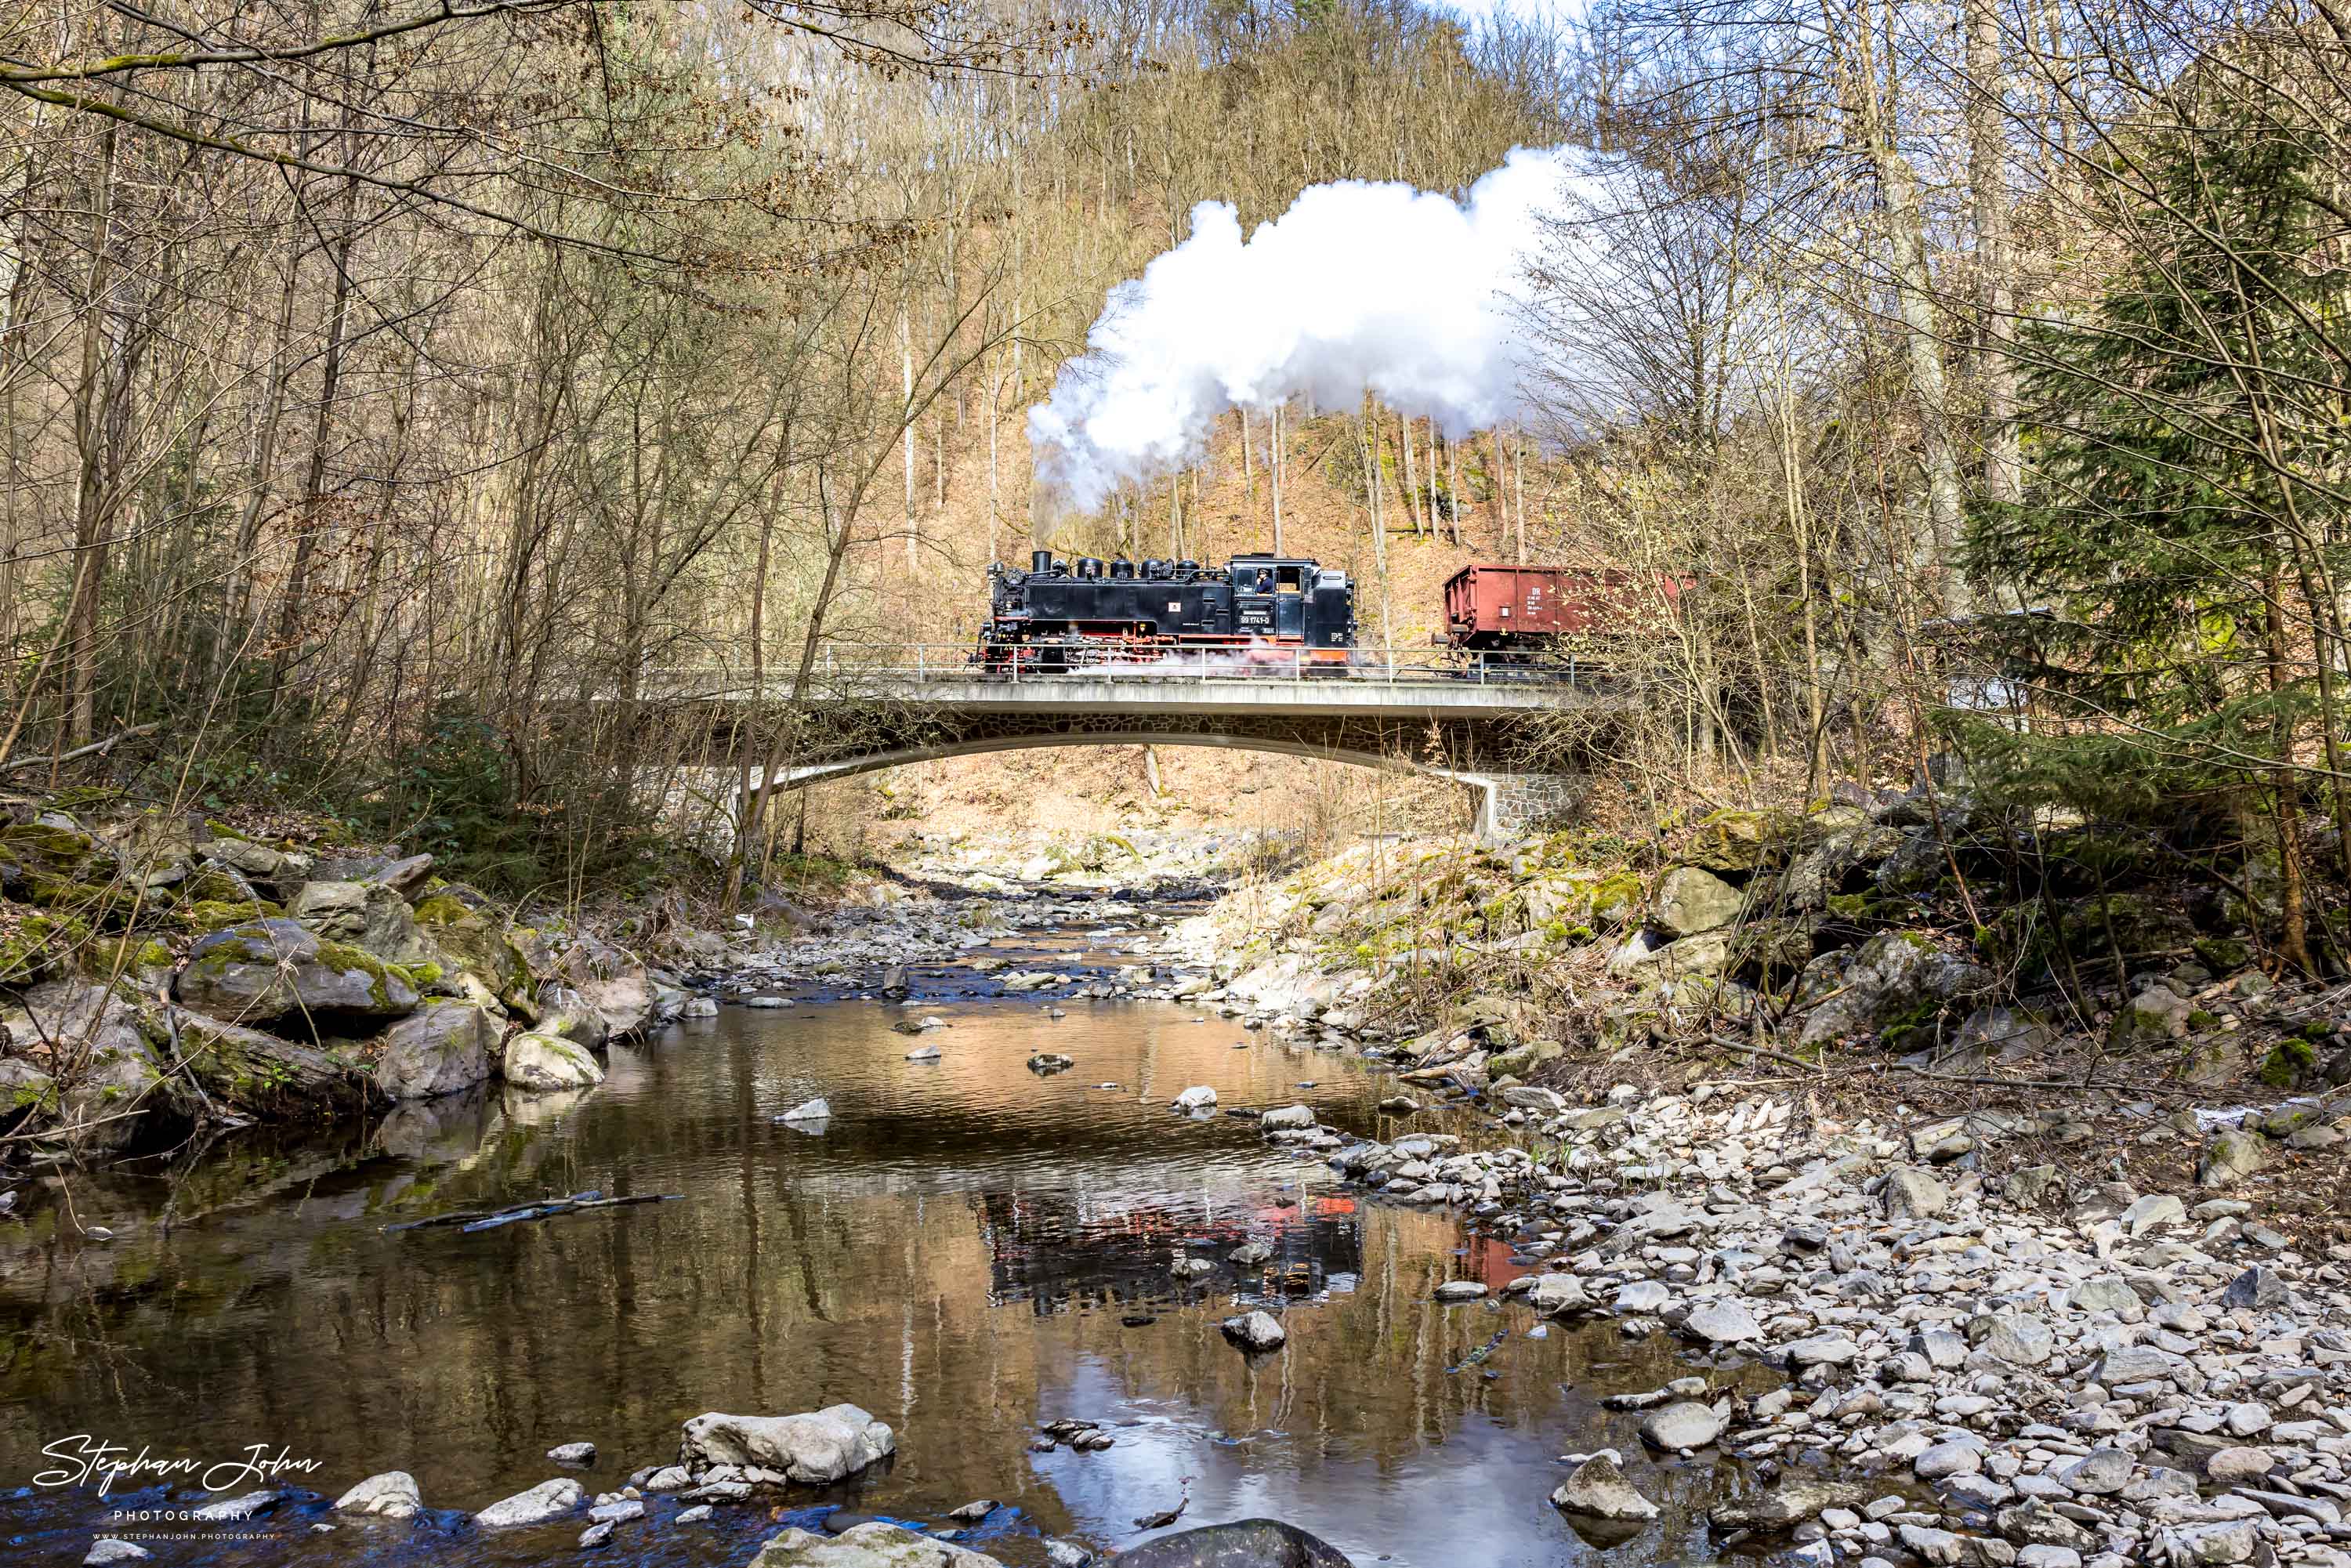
column 966, row 1248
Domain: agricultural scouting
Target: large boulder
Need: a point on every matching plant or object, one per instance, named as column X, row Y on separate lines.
column 1734, row 840
column 1690, row 900
column 113, row 1086
column 537, row 1061
column 878, row 1544
column 1645, row 957
column 441, row 1048
column 2156, row 1016
column 1244, row 1543
column 548, row 1499
column 47, row 859
column 814, row 1448
column 280, row 870
column 1846, row 844
column 367, row 914
column 612, row 981
column 469, row 933
column 1597, row 1489
column 1896, row 983
column 270, row 968
column 565, row 1014
column 255, row 1073
column 2229, row 1156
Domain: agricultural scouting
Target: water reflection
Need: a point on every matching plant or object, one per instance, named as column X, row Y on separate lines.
column 967, row 1249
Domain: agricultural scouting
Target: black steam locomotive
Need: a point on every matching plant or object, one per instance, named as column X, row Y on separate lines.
column 1066, row 615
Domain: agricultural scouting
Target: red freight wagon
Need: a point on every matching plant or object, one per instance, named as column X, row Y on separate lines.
column 1495, row 606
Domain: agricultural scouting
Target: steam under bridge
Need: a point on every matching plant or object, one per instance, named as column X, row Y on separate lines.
column 1473, row 723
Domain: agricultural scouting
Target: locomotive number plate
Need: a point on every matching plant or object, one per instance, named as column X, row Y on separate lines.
column 1174, row 607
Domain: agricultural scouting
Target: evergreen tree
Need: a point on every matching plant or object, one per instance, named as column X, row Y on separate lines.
column 2182, row 547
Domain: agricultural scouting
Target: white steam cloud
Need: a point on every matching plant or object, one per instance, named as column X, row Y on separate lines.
column 1406, row 294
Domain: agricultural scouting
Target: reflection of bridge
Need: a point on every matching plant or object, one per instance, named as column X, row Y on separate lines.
column 1467, row 722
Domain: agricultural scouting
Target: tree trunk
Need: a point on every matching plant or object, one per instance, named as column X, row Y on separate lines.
column 1913, row 295
column 2003, row 471
column 91, row 497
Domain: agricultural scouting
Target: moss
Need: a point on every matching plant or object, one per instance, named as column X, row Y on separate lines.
column 441, row 909
column 217, row 915
column 1912, row 1029
column 127, row 956
column 1849, row 905
column 343, row 957
column 2289, row 1063
column 1615, row 896
column 425, row 974
column 210, row 884
column 2200, row 1019
column 37, row 944
column 220, row 829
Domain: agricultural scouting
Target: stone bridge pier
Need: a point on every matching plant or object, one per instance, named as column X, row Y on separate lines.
column 1511, row 805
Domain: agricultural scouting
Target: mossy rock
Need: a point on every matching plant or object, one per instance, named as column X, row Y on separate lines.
column 213, row 882
column 53, row 847
column 1525, row 1059
column 1615, row 898
column 1734, row 840
column 99, row 903
column 259, row 1073
column 273, row 967
column 39, row 944
column 443, row 909
column 146, row 960
column 208, row 915
column 26, row 1093
column 2289, row 1062
column 2222, row 955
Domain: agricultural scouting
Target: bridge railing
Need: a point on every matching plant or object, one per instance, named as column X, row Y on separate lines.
column 1425, row 666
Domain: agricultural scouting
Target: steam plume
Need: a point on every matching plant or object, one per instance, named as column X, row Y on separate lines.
column 1408, row 294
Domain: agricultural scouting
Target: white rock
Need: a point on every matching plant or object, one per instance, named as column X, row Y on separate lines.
column 1197, row 1098
column 1255, row 1331
column 542, row 1061
column 391, row 1494
column 1597, row 1489
column 811, row 1449
column 1723, row 1323
column 548, row 1499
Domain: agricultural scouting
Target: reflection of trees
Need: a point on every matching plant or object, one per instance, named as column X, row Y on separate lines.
column 287, row 1314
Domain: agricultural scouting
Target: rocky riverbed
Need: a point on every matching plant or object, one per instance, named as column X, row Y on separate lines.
column 1975, row 1312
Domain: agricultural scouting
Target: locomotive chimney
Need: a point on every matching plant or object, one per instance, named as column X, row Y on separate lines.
column 1040, row 561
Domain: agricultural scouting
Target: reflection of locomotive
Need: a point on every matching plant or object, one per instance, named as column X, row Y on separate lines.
column 1061, row 615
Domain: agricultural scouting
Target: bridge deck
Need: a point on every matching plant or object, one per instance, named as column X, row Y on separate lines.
column 1095, row 692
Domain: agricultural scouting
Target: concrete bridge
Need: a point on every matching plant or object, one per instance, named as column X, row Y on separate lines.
column 1471, row 724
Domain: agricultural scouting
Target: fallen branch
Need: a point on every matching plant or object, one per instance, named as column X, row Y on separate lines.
column 100, row 746
column 470, row 1219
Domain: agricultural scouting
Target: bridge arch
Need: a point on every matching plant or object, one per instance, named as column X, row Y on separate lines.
column 1490, row 788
